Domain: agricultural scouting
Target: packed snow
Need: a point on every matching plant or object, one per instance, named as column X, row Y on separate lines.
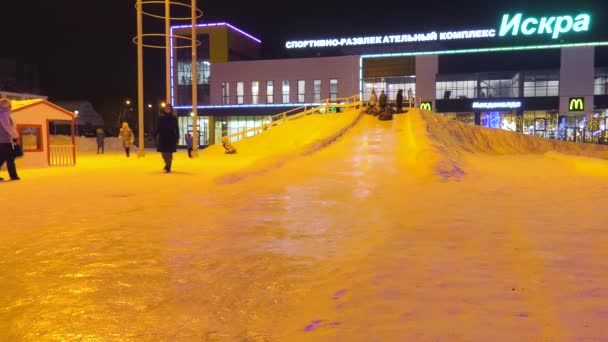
column 334, row 227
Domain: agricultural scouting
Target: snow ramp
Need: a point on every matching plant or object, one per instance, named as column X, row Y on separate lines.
column 440, row 145
column 292, row 139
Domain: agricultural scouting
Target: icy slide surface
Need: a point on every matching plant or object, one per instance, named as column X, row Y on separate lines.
column 397, row 231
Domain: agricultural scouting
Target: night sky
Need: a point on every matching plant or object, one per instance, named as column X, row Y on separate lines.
column 83, row 49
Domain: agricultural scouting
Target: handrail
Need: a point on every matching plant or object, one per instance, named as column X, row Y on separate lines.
column 322, row 106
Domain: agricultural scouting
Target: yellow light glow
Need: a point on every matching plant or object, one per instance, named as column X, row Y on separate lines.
column 163, row 105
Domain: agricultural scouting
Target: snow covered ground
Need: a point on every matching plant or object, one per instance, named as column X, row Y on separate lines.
column 416, row 229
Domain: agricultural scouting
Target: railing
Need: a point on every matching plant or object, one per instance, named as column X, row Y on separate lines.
column 61, row 155
column 321, row 107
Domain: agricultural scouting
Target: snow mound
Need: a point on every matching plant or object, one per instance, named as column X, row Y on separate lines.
column 442, row 144
column 274, row 147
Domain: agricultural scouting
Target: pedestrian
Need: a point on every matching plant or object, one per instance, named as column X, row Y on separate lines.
column 127, row 137
column 167, row 135
column 189, row 144
column 410, row 95
column 382, row 101
column 399, row 101
column 8, row 137
column 100, row 140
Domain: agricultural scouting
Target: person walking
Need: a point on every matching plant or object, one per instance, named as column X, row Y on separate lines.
column 8, row 136
column 127, row 137
column 167, row 134
column 100, row 140
column 189, row 144
column 399, row 101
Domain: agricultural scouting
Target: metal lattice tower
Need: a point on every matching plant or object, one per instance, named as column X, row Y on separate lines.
column 171, row 42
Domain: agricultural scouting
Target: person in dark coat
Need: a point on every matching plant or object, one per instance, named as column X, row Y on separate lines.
column 399, row 101
column 382, row 100
column 189, row 144
column 100, row 140
column 167, row 135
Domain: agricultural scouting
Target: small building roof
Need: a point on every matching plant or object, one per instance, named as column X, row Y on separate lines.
column 23, row 104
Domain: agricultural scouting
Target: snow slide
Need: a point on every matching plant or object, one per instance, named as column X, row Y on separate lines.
column 274, row 147
column 440, row 145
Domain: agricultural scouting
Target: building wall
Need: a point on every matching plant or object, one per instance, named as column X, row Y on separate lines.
column 345, row 69
column 427, row 68
column 577, row 74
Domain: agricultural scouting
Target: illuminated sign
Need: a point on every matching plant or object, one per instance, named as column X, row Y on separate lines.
column 510, row 26
column 391, row 39
column 553, row 26
column 426, row 105
column 576, row 104
column 497, row 105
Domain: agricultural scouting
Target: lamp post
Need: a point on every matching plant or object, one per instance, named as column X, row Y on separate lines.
column 76, row 133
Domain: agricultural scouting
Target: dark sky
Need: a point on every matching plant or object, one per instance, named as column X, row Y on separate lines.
column 84, row 51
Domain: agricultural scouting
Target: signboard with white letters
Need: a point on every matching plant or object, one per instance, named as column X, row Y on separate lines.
column 515, row 25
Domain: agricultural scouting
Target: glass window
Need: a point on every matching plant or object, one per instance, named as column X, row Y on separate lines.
column 301, row 91
column 184, row 72
column 601, row 82
column 30, row 137
column 255, row 92
column 333, row 89
column 541, row 83
column 225, row 93
column 285, row 91
column 390, row 85
column 240, row 92
column 317, row 90
column 269, row 92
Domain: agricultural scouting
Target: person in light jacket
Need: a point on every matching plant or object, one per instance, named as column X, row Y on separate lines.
column 167, row 135
column 373, row 102
column 127, row 137
column 8, row 136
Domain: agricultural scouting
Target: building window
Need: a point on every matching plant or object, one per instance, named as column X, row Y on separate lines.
column 301, row 91
column 255, row 92
column 30, row 137
column 601, row 82
column 541, row 84
column 481, row 85
column 184, row 72
column 333, row 89
column 285, row 91
column 240, row 92
column 225, row 92
column 317, row 90
column 390, row 85
column 269, row 92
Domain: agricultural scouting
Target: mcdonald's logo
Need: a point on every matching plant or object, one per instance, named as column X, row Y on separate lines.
column 576, row 104
column 426, row 105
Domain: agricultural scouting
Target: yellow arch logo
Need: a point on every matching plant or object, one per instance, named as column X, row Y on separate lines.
column 576, row 104
column 426, row 105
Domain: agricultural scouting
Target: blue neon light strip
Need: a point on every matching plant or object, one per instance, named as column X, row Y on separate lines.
column 252, row 106
column 172, row 96
column 220, row 24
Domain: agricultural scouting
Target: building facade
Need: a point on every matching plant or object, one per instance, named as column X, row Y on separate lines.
column 544, row 75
